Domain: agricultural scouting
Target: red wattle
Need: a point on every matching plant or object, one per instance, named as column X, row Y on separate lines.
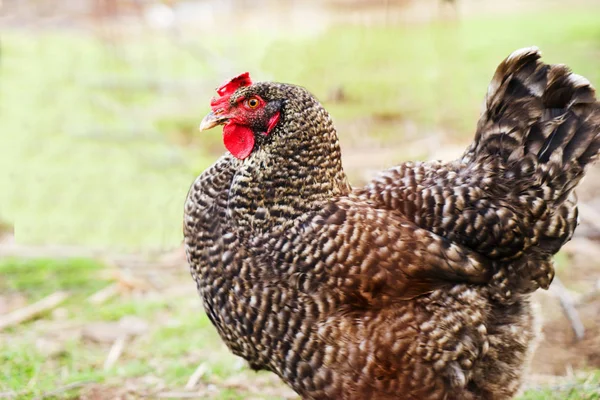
column 272, row 122
column 238, row 139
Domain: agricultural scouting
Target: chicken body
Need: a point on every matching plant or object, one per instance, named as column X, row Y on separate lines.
column 414, row 287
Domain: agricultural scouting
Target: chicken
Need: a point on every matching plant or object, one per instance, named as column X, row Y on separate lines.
column 416, row 286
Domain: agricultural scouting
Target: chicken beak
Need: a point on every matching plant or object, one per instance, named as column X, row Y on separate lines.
column 212, row 120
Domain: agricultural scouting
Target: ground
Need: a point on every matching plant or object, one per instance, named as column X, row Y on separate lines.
column 103, row 147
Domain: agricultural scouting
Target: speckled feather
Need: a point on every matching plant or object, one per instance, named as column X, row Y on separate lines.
column 415, row 286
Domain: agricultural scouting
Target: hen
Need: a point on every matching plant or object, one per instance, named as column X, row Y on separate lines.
column 416, row 286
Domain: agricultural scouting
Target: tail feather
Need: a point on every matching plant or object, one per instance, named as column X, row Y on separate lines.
column 510, row 197
column 570, row 102
column 541, row 113
column 540, row 129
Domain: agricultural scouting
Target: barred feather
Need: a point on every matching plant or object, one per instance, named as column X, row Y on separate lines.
column 506, row 196
column 414, row 286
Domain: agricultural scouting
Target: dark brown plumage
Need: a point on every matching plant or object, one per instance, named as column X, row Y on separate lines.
column 415, row 286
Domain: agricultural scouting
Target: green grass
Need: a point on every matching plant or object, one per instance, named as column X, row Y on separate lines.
column 36, row 278
column 22, row 367
column 587, row 388
column 180, row 336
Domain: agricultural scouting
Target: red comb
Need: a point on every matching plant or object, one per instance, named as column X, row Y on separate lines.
column 234, row 84
column 228, row 88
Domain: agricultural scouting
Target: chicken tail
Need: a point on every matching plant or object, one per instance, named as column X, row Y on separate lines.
column 539, row 113
column 510, row 196
column 539, row 131
column 541, row 124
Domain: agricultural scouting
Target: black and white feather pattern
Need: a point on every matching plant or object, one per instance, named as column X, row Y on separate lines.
column 415, row 286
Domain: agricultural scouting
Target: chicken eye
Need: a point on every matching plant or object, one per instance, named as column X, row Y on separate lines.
column 253, row 102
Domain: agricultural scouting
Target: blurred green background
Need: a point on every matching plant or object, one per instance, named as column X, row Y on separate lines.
column 99, row 107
